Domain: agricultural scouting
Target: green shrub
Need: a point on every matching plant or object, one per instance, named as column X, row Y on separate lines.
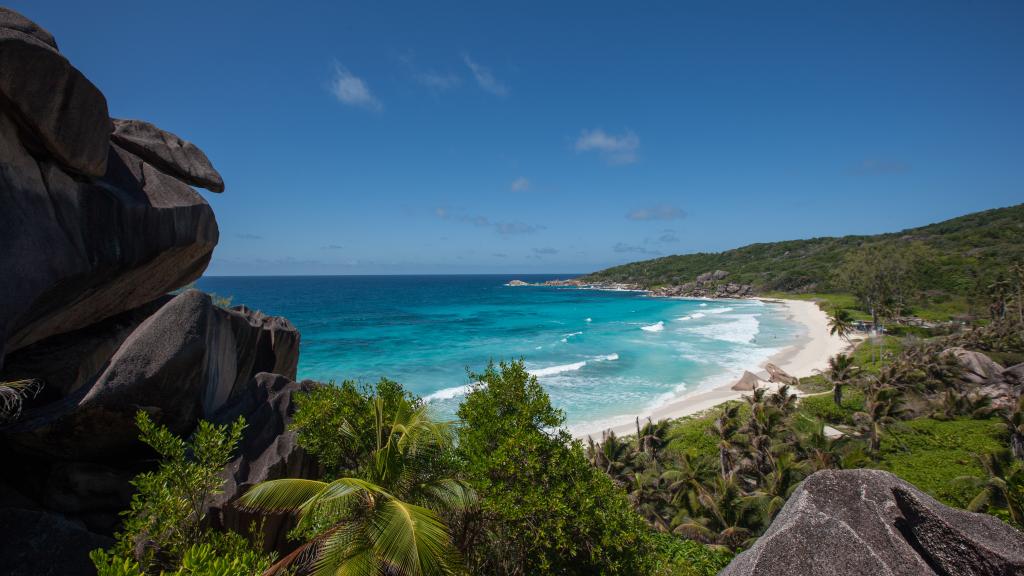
column 164, row 526
column 680, row 557
column 323, row 414
column 547, row 510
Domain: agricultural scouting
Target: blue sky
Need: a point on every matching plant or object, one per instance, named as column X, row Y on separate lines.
column 516, row 137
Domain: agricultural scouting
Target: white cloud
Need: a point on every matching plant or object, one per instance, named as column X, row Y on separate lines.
column 520, row 184
column 484, row 77
column 660, row 212
column 614, row 149
column 437, row 81
column 352, row 90
column 501, row 227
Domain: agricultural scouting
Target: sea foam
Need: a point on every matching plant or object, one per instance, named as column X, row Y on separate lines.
column 658, row 327
column 741, row 329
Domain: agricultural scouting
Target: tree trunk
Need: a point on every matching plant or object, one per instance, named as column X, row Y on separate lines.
column 837, row 394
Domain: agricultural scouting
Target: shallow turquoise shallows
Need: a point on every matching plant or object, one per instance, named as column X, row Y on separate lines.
column 602, row 355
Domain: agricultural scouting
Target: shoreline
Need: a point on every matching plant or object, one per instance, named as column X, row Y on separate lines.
column 800, row 359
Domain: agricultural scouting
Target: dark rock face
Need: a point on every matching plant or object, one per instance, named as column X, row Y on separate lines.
column 97, row 226
column 35, row 543
column 167, row 153
column 869, row 522
column 12, row 20
column 268, row 450
column 82, row 252
column 707, row 285
column 58, row 108
column 180, row 364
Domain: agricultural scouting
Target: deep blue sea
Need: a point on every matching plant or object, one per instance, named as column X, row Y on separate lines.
column 603, row 356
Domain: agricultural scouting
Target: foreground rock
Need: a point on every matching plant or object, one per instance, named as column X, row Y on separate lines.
column 36, row 543
column 869, row 522
column 167, row 153
column 268, row 450
column 182, row 363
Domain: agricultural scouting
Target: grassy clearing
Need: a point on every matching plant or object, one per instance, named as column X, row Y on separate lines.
column 932, row 454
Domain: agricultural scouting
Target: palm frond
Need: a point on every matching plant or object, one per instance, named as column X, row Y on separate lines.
column 285, row 495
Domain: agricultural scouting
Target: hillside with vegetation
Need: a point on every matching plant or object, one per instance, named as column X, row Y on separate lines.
column 951, row 259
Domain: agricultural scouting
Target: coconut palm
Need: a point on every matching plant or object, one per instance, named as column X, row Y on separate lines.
column 386, row 522
column 1002, row 485
column 840, row 371
column 769, row 498
column 611, row 455
column 815, row 449
column 783, row 400
column 1015, row 426
column 13, row 395
column 840, row 323
column 725, row 516
column 724, row 428
column 883, row 406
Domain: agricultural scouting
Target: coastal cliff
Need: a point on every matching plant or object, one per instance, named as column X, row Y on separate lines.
column 100, row 223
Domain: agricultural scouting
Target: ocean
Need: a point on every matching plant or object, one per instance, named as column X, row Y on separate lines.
column 603, row 356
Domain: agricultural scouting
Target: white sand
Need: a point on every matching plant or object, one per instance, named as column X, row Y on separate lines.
column 809, row 354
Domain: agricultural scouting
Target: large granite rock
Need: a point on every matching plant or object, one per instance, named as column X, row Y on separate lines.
column 181, row 364
column 268, row 451
column 748, row 382
column 869, row 522
column 66, row 362
column 13, row 21
column 57, row 109
column 977, row 367
column 79, row 252
column 37, row 543
column 168, row 153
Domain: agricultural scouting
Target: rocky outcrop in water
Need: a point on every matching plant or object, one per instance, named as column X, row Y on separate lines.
column 99, row 222
column 869, row 522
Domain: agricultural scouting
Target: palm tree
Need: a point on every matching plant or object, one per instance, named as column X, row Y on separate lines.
column 652, row 436
column 840, row 323
column 725, row 427
column 769, row 498
column 13, row 395
column 611, row 455
column 883, row 406
column 816, row 450
column 1015, row 425
column 1001, row 486
column 840, row 370
column 783, row 400
column 725, row 517
column 387, row 522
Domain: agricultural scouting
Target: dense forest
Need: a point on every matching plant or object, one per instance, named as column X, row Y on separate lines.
column 956, row 257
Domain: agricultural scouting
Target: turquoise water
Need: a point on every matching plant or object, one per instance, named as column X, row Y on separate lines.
column 602, row 355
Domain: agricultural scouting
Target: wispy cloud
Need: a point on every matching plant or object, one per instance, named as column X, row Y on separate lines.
column 668, row 236
column 622, row 247
column 660, row 212
column 875, row 167
column 438, row 81
column 333, row 247
column 505, row 228
column 521, row 184
column 614, row 149
column 500, row 255
column 352, row 90
column 545, row 251
column 248, row 236
column 484, row 78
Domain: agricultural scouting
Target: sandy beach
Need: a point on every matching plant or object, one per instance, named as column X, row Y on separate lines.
column 809, row 354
